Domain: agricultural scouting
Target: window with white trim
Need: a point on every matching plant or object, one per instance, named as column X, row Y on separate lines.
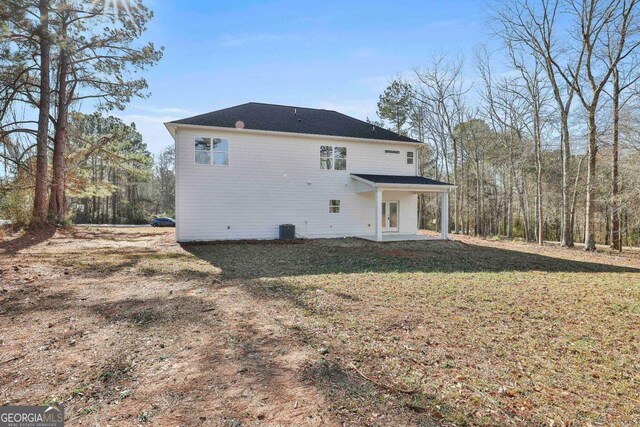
column 334, row 206
column 409, row 157
column 211, row 151
column 333, row 158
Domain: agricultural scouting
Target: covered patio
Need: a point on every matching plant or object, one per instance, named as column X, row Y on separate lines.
column 379, row 184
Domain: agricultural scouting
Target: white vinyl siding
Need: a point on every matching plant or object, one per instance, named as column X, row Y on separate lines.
column 275, row 179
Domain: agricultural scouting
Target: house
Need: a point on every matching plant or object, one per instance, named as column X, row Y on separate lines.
column 243, row 171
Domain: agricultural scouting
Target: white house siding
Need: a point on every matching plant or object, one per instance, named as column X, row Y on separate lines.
column 276, row 179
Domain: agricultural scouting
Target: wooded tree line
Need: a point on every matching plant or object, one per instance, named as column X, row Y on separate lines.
column 56, row 58
column 121, row 183
column 546, row 148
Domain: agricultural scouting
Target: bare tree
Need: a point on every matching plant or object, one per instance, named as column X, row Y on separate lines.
column 535, row 98
column 624, row 75
column 593, row 18
column 531, row 26
column 506, row 111
column 441, row 89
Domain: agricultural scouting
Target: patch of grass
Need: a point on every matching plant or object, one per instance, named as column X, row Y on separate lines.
column 142, row 318
column 78, row 391
column 105, row 375
column 114, row 371
column 468, row 318
column 633, row 308
column 87, row 410
column 51, row 401
column 447, row 364
column 144, row 416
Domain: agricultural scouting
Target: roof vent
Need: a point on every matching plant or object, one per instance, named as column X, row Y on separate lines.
column 295, row 111
column 373, row 128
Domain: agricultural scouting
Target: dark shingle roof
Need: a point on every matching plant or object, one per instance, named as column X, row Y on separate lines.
column 399, row 179
column 282, row 118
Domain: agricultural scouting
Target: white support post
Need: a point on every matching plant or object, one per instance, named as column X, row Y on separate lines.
column 444, row 215
column 378, row 219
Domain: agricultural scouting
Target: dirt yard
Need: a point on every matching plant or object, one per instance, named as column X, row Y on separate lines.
column 125, row 327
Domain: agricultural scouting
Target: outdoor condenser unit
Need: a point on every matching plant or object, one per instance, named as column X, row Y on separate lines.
column 287, row 231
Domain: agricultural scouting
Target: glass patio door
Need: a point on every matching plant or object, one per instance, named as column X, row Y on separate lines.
column 390, row 216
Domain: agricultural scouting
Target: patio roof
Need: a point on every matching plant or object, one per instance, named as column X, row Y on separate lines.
column 402, row 182
column 399, row 179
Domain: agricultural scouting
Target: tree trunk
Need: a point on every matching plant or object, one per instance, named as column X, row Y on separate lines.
column 512, row 182
column 456, row 203
column 460, row 228
column 574, row 199
column 114, row 198
column 615, row 152
column 589, row 232
column 539, row 201
column 567, row 221
column 607, row 224
column 478, row 225
column 39, row 216
column 57, row 197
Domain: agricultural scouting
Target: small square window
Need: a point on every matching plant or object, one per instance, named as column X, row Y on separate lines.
column 333, row 158
column 409, row 157
column 334, row 206
column 211, row 151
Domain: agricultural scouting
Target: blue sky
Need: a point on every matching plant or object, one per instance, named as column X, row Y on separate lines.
column 328, row 54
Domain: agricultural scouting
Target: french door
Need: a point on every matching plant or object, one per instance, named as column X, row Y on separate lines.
column 390, row 216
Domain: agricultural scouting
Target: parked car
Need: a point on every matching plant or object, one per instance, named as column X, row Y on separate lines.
column 163, row 222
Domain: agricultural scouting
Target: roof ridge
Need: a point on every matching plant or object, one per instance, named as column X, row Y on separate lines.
column 289, row 106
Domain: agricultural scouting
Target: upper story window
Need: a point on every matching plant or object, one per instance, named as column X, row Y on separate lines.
column 334, row 206
column 211, row 151
column 409, row 157
column 333, row 157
